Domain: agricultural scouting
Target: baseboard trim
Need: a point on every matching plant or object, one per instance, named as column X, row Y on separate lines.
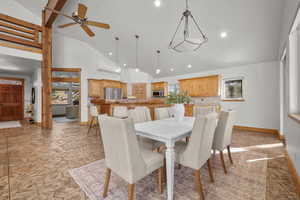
column 84, row 123
column 254, row 129
column 293, row 172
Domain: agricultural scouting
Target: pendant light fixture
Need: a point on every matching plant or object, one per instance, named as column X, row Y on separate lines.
column 136, row 53
column 118, row 70
column 157, row 70
column 186, row 42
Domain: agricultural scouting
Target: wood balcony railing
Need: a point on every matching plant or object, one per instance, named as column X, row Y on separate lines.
column 21, row 33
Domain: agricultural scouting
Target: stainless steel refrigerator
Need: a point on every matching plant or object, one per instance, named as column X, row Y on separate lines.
column 112, row 93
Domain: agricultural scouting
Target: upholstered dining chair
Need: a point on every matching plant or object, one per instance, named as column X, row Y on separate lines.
column 162, row 113
column 124, row 156
column 223, row 135
column 198, row 151
column 139, row 115
column 94, row 114
column 120, row 111
column 203, row 110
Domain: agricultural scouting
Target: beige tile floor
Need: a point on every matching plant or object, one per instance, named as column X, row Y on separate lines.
column 34, row 163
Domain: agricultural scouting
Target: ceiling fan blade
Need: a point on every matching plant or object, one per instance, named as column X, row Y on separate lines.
column 59, row 13
column 66, row 25
column 82, row 9
column 88, row 30
column 98, row 24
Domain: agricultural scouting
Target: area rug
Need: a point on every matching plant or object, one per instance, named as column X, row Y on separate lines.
column 246, row 180
column 10, row 124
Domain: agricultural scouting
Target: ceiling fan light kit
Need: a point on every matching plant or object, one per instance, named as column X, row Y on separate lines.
column 184, row 42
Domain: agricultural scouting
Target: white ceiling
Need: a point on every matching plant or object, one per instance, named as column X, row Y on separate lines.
column 253, row 29
column 17, row 65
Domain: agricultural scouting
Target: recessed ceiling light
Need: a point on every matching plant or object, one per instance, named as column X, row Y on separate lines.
column 172, row 69
column 124, row 64
column 189, row 66
column 157, row 71
column 118, row 70
column 110, row 53
column 157, row 3
column 137, row 69
column 223, row 34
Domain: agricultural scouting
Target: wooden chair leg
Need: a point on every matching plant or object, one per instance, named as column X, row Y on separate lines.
column 130, row 191
column 198, row 184
column 229, row 154
column 160, row 177
column 223, row 162
column 106, row 183
column 187, row 139
column 91, row 125
column 210, row 171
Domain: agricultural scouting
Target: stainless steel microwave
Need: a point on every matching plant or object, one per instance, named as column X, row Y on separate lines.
column 158, row 93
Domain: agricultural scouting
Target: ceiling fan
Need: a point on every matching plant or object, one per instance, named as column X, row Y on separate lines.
column 79, row 17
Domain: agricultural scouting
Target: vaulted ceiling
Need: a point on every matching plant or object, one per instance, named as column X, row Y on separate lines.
column 253, row 29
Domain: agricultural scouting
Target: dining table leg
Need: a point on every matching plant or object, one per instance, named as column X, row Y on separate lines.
column 170, row 156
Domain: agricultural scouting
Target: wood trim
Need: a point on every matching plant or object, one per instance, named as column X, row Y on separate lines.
column 200, row 77
column 13, row 79
column 4, row 30
column 84, row 123
column 20, row 22
column 293, row 172
column 54, row 69
column 51, row 16
column 254, row 129
column 295, row 117
column 17, row 28
column 233, row 100
column 61, row 79
column 20, row 47
column 20, row 41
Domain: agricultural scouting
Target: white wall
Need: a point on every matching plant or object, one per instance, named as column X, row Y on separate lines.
column 261, row 106
column 37, row 84
column 77, row 54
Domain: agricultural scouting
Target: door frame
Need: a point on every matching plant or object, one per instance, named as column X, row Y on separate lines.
column 78, row 80
column 23, row 86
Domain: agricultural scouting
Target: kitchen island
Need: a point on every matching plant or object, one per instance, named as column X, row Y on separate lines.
column 106, row 106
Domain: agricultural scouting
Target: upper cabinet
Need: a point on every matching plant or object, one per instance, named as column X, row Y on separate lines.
column 96, row 87
column 139, row 90
column 207, row 86
column 160, row 86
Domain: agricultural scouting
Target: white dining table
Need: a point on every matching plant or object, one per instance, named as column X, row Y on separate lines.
column 168, row 131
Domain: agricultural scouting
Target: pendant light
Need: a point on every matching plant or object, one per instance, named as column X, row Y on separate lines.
column 119, row 69
column 185, row 42
column 136, row 53
column 157, row 70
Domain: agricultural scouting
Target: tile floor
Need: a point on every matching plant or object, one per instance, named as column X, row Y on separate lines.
column 34, row 163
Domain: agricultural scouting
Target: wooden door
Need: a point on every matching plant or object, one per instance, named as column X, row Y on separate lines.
column 11, row 102
column 139, row 90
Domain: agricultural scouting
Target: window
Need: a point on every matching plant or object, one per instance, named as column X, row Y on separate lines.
column 173, row 88
column 60, row 96
column 232, row 89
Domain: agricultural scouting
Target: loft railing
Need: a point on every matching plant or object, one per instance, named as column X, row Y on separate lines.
column 16, row 31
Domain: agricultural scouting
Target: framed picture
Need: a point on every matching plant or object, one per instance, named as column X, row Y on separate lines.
column 233, row 89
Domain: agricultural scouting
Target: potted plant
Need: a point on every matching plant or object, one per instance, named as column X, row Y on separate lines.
column 178, row 101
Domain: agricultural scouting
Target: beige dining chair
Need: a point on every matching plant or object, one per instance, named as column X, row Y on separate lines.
column 94, row 121
column 124, row 156
column 223, row 135
column 198, row 151
column 203, row 110
column 139, row 115
column 162, row 113
column 120, row 111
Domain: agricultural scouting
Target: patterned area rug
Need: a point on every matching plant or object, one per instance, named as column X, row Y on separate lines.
column 11, row 124
column 246, row 180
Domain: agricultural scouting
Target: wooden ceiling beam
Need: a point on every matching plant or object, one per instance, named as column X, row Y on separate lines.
column 51, row 16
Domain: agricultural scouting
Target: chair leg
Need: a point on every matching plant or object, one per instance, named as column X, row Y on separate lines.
column 106, row 183
column 198, row 184
column 210, row 171
column 223, row 162
column 187, row 139
column 130, row 191
column 229, row 154
column 160, row 176
column 91, row 125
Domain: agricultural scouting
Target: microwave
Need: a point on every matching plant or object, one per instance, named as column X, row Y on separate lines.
column 158, row 93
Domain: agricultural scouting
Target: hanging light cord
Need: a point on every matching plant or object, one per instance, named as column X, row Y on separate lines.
column 117, row 50
column 136, row 55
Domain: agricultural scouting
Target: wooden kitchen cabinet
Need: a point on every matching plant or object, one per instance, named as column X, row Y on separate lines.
column 207, row 86
column 139, row 90
column 96, row 87
column 160, row 86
